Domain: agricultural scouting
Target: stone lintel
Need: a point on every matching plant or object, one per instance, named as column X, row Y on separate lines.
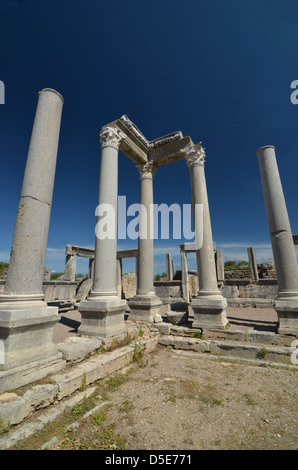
column 79, row 251
column 170, row 152
column 133, row 253
column 89, row 252
column 166, row 139
column 131, row 146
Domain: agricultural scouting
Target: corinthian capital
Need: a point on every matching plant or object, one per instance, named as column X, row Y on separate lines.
column 146, row 170
column 195, row 155
column 111, row 137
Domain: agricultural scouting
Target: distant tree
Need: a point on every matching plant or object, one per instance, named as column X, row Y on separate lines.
column 55, row 276
column 243, row 265
column 230, row 265
column 3, row 268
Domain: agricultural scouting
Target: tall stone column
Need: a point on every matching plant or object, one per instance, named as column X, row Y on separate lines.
column 220, row 270
column 70, row 265
column 286, row 302
column 253, row 264
column 210, row 306
column 26, row 322
column 145, row 306
column 119, row 277
column 170, row 269
column 184, row 276
column 103, row 312
column 91, row 268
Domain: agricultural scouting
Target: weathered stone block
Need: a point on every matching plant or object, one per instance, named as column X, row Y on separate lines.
column 189, row 344
column 38, row 397
column 77, row 348
column 261, row 337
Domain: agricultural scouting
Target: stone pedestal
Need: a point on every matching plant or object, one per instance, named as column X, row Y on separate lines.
column 210, row 306
column 103, row 312
column 102, row 317
column 286, row 302
column 26, row 322
column 145, row 306
column 209, row 311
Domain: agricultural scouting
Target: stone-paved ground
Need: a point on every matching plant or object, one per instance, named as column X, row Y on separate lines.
column 240, row 318
column 182, row 401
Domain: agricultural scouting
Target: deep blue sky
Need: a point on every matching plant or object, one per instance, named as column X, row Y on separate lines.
column 219, row 71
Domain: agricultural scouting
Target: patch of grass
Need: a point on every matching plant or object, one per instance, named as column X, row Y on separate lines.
column 81, row 408
column 249, row 400
column 138, row 354
column 57, row 427
column 198, row 335
column 84, row 383
column 263, row 353
column 210, row 400
column 126, row 407
column 98, row 419
column 115, row 381
column 4, row 428
column 106, row 440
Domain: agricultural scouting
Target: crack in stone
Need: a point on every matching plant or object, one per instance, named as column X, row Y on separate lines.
column 36, row 199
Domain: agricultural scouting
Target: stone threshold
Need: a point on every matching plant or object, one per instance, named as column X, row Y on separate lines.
column 268, row 354
column 18, row 409
column 251, row 345
column 251, row 335
column 250, row 302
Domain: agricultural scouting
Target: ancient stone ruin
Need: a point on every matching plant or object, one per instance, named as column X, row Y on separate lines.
column 28, row 313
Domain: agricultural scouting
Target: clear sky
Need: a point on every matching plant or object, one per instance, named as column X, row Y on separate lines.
column 219, row 71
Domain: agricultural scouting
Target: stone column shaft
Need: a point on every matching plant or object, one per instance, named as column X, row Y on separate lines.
column 103, row 312
column 170, row 270
column 220, row 266
column 70, row 268
column 286, row 303
column 119, row 278
column 205, row 255
column 104, row 282
column 145, row 306
column 27, row 258
column 209, row 307
column 253, row 263
column 278, row 221
column 91, row 268
column 184, row 277
column 145, row 240
column 26, row 322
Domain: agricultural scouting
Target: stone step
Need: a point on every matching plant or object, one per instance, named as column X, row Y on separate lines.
column 233, row 349
column 251, row 335
column 71, row 379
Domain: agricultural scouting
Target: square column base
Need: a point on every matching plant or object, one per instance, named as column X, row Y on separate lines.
column 145, row 308
column 102, row 317
column 27, row 351
column 287, row 311
column 209, row 312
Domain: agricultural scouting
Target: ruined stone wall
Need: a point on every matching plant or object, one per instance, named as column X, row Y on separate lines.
column 129, row 284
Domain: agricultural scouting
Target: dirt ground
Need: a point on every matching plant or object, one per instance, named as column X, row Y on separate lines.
column 182, row 401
